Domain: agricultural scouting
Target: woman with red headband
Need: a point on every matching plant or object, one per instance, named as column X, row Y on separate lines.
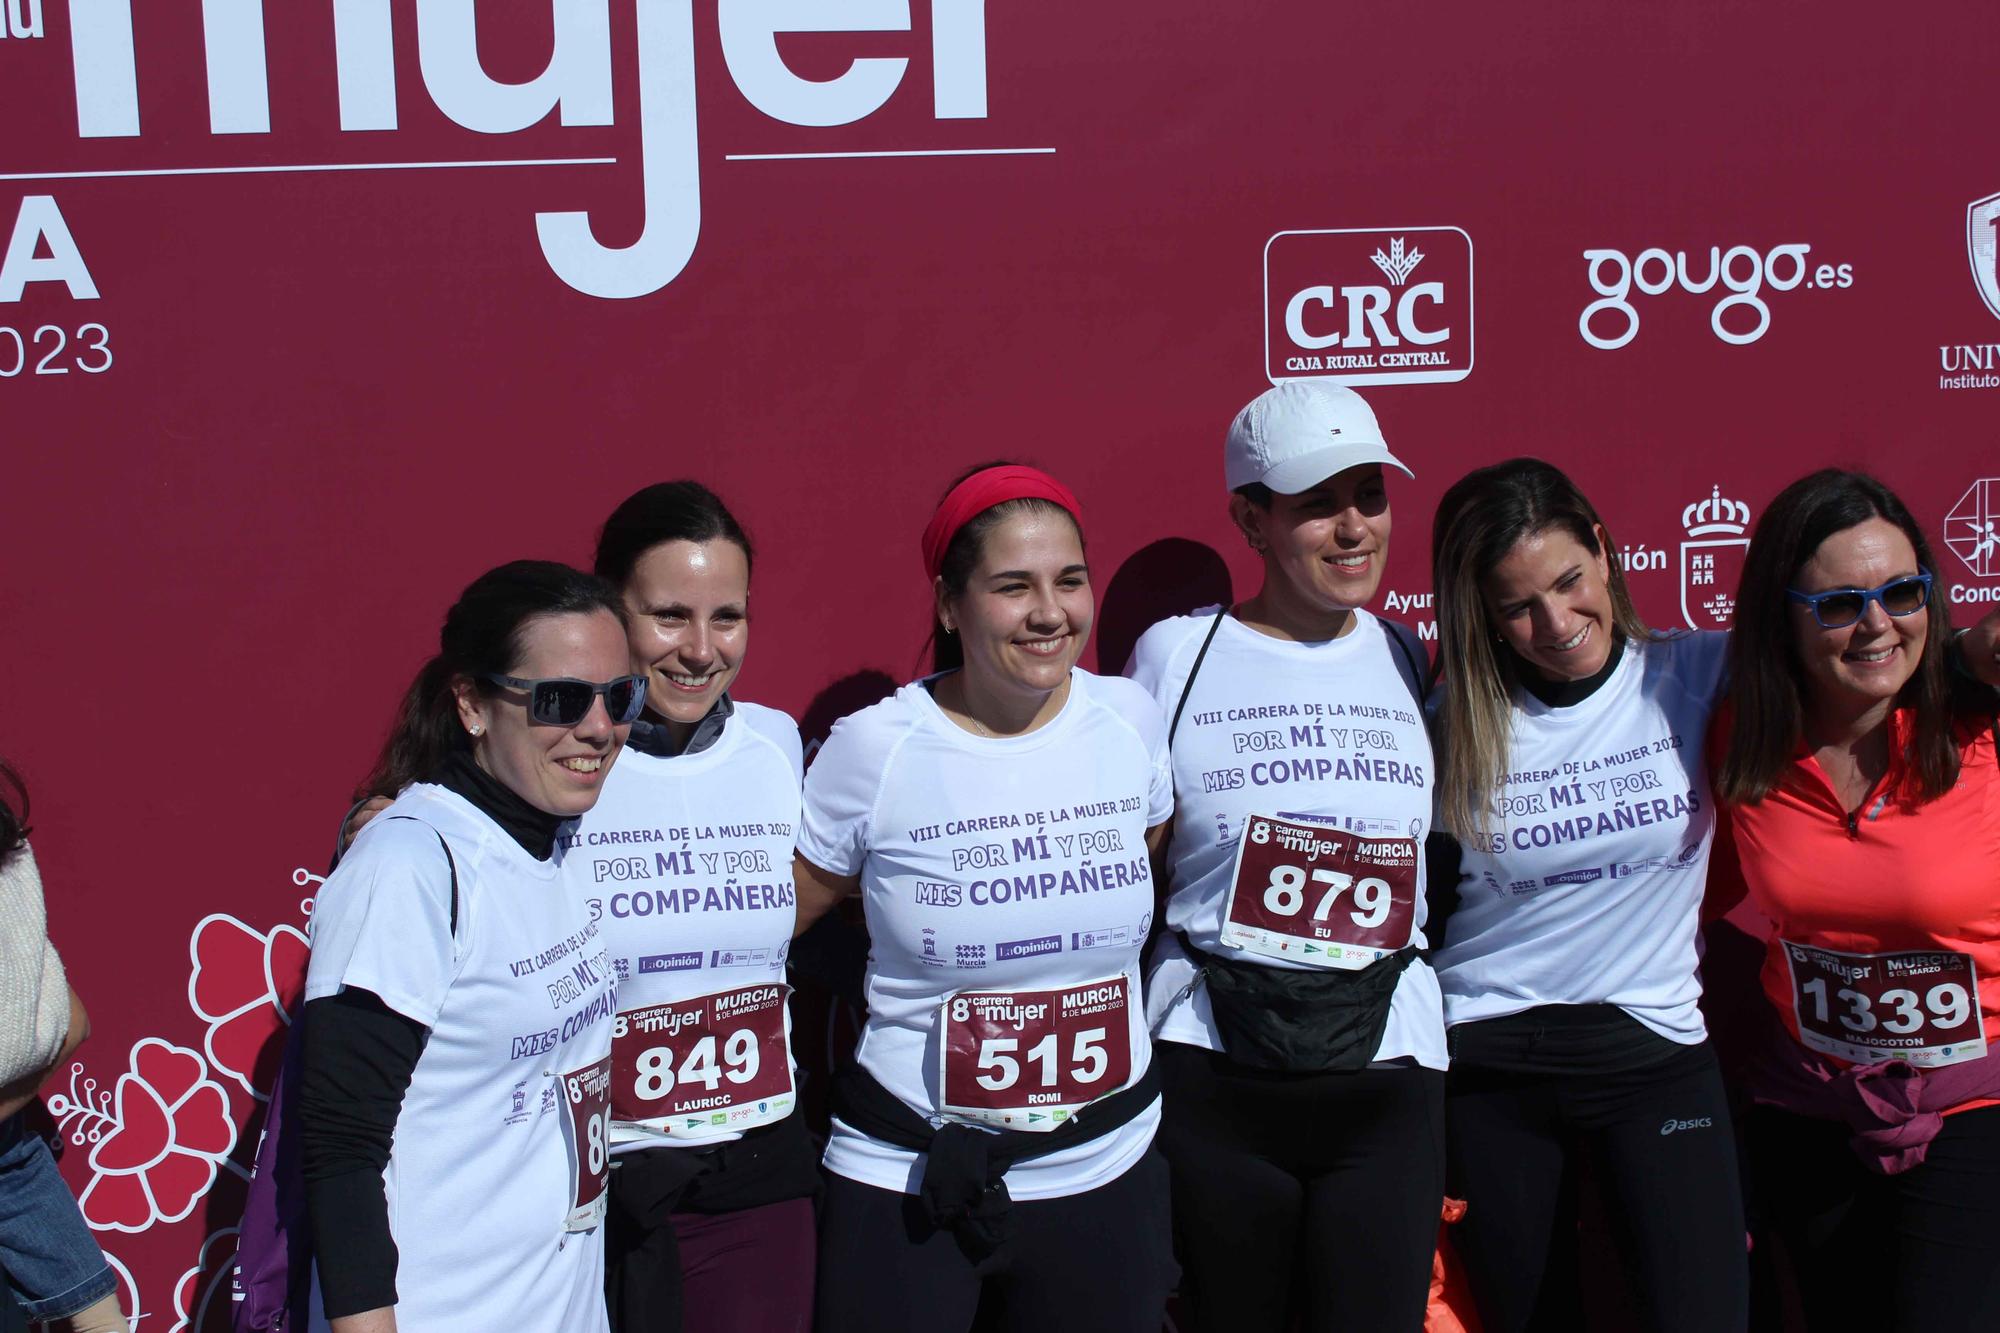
column 992, row 1146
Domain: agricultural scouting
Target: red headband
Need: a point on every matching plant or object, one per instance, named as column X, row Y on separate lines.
column 979, row 493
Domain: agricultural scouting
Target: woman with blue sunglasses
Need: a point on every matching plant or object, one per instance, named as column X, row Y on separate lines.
column 1859, row 779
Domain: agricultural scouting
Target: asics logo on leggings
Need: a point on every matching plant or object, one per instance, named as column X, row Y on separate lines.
column 1704, row 1122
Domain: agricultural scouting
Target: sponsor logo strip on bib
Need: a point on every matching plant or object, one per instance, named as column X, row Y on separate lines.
column 1031, row 1059
column 1919, row 1006
column 696, row 1068
column 1318, row 895
column 586, row 1094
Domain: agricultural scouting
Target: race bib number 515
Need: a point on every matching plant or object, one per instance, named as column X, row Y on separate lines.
column 1920, row 1006
column 1031, row 1059
column 1320, row 896
column 709, row 1065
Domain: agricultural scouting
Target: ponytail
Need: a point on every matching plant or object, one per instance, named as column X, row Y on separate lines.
column 426, row 733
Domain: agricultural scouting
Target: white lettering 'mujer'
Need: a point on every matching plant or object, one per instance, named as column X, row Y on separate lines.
column 576, row 85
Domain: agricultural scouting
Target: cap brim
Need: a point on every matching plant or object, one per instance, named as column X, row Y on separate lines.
column 1309, row 470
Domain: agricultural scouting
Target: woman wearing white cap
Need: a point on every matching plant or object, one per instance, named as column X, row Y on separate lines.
column 1300, row 1033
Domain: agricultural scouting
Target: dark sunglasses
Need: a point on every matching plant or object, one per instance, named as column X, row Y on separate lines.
column 561, row 701
column 1841, row 607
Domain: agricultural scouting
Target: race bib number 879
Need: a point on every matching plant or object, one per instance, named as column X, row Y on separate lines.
column 1031, row 1059
column 1920, row 1006
column 1320, row 896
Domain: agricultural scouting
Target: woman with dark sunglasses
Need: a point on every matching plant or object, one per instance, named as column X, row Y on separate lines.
column 685, row 865
column 1858, row 772
column 454, row 1098
column 992, row 1146
column 1569, row 739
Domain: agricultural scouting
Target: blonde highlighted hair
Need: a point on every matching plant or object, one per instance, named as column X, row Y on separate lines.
column 1478, row 522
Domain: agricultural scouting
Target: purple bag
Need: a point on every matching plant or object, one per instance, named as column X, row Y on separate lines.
column 271, row 1284
column 272, row 1280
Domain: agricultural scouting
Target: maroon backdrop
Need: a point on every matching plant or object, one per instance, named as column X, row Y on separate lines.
column 262, row 419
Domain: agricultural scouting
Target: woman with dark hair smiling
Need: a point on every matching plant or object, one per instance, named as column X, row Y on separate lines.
column 994, row 1139
column 1570, row 753
column 685, row 864
column 1858, row 770
column 454, row 1091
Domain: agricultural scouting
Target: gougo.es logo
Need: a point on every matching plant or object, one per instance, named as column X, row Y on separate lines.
column 1612, row 321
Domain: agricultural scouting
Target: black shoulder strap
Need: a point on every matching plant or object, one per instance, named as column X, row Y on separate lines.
column 1416, row 678
column 450, row 861
column 1188, row 688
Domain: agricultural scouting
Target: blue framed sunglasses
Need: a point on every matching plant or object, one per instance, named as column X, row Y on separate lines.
column 1838, row 608
column 562, row 701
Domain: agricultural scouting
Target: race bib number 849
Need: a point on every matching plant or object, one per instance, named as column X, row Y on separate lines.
column 713, row 1064
column 1321, row 896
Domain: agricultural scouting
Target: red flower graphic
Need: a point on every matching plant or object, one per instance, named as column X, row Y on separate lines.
column 169, row 1128
column 245, row 985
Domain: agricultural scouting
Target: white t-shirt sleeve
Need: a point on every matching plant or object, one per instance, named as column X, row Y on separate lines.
column 1165, row 654
column 777, row 727
column 382, row 921
column 1417, row 658
column 1137, row 707
column 841, row 790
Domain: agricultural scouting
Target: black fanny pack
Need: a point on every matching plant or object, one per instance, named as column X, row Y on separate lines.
column 1299, row 1021
column 963, row 1189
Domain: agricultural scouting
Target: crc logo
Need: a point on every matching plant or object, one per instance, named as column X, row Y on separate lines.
column 1369, row 305
column 1970, row 527
column 1712, row 559
column 1740, row 270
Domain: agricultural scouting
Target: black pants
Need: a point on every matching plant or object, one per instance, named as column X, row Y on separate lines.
column 1918, row 1251
column 1307, row 1197
column 1097, row 1262
column 1660, row 1139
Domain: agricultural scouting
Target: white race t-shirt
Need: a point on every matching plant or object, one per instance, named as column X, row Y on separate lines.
column 686, row 864
column 1589, row 887
column 1009, row 864
column 1324, row 734
column 489, row 1149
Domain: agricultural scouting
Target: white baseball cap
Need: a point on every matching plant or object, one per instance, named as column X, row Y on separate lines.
column 1294, row 436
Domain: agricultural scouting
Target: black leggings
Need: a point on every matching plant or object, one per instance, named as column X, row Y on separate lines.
column 1302, row 1197
column 1097, row 1262
column 1660, row 1139
column 1916, row 1252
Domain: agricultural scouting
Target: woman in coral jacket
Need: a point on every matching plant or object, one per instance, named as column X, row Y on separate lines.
column 1859, row 779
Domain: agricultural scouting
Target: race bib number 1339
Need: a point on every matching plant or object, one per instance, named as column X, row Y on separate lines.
column 1919, row 1006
